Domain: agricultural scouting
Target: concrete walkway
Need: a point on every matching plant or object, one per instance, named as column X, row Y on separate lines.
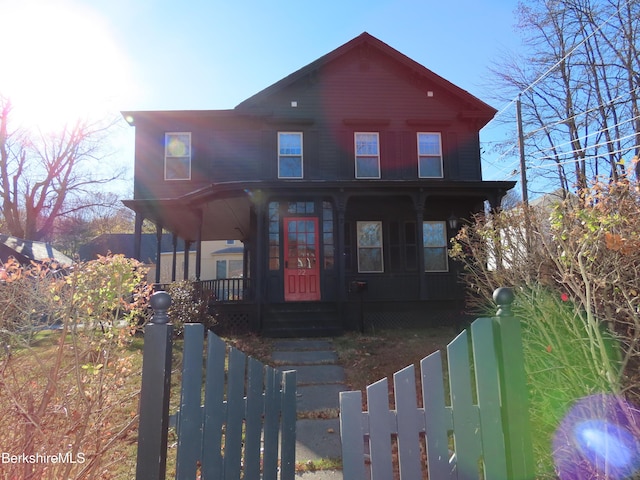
column 320, row 380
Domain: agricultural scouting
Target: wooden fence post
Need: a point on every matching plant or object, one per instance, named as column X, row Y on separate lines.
column 154, row 395
column 513, row 386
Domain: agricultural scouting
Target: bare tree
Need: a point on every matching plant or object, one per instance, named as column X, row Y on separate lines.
column 579, row 84
column 48, row 176
column 82, row 226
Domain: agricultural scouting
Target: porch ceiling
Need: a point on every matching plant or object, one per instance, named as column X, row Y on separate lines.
column 223, row 211
column 218, row 219
column 226, row 219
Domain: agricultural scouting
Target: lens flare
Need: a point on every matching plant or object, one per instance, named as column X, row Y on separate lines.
column 598, row 439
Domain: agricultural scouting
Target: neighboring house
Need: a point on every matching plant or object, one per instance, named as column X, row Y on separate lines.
column 26, row 251
column 219, row 260
column 212, row 262
column 344, row 181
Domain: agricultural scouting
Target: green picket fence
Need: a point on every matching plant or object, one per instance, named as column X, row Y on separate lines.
column 241, row 425
column 483, row 432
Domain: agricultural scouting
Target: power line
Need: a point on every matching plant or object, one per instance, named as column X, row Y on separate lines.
column 546, row 127
column 573, row 117
column 555, row 65
column 589, row 135
column 574, row 160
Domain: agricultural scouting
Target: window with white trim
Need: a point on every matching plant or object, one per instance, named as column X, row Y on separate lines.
column 369, row 235
column 429, row 155
column 434, row 237
column 367, row 153
column 177, row 156
column 290, row 155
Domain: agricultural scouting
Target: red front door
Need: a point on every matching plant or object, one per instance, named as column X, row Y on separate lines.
column 301, row 267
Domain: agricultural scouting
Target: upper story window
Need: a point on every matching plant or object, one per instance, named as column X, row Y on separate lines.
column 290, row 155
column 367, row 148
column 429, row 155
column 177, row 156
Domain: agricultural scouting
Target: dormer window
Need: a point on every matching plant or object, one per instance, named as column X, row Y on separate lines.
column 290, row 163
column 429, row 155
column 177, row 156
column 367, row 150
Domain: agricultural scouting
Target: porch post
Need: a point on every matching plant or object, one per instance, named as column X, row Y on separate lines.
column 341, row 207
column 419, row 207
column 199, row 247
column 187, row 247
column 158, row 250
column 174, row 258
column 137, row 237
column 246, row 244
column 260, row 259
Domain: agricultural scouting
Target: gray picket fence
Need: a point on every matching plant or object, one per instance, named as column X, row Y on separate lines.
column 244, row 428
column 483, row 432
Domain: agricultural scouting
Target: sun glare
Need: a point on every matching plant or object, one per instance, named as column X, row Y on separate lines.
column 60, row 63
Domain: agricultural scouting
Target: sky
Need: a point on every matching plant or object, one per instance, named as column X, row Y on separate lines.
column 117, row 55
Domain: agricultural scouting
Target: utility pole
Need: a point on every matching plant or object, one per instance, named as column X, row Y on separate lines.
column 523, row 177
column 523, row 166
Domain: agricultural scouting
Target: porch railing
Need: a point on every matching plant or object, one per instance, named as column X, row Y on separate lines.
column 219, row 290
column 226, row 289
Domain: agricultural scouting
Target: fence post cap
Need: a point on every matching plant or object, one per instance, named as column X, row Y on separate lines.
column 503, row 297
column 160, row 303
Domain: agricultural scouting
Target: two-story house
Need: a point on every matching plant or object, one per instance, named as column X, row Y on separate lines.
column 344, row 181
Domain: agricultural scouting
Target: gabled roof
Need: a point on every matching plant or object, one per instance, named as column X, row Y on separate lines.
column 25, row 251
column 123, row 243
column 371, row 42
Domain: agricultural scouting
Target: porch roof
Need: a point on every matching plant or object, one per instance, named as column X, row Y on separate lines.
column 222, row 211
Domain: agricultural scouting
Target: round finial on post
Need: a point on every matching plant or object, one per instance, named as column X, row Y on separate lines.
column 160, row 303
column 503, row 297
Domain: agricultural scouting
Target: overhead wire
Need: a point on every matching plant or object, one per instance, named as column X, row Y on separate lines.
column 558, row 122
column 589, row 135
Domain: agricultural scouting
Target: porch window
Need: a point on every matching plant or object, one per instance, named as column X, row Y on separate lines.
column 228, row 268
column 429, row 155
column 177, row 156
column 328, row 239
column 274, row 236
column 369, row 235
column 434, row 236
column 367, row 148
column 290, row 155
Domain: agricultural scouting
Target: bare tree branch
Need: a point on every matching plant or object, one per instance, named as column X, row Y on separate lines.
column 45, row 176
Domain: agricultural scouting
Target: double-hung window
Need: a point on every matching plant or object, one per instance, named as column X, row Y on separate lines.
column 367, row 150
column 369, row 235
column 429, row 155
column 434, row 236
column 290, row 155
column 177, row 156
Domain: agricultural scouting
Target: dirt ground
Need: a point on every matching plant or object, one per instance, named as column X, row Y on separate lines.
column 369, row 357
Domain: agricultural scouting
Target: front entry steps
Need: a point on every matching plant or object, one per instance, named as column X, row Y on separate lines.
column 303, row 319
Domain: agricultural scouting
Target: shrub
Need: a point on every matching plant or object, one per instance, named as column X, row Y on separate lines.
column 591, row 252
column 64, row 403
column 186, row 306
column 28, row 301
column 567, row 358
column 576, row 270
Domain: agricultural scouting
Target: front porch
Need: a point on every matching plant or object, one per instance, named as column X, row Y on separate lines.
column 304, row 251
column 233, row 303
